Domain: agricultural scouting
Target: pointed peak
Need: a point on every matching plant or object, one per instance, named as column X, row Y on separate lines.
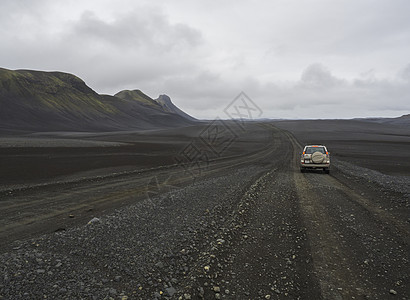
column 164, row 98
column 167, row 105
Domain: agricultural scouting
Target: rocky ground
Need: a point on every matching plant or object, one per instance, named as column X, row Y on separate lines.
column 247, row 226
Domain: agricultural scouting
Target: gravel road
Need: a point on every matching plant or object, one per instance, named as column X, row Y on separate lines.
column 248, row 226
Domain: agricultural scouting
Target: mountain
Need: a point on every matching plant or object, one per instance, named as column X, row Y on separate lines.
column 167, row 105
column 53, row 101
column 137, row 95
column 162, row 103
column 404, row 120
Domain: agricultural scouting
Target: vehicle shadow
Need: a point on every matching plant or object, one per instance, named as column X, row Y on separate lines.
column 315, row 171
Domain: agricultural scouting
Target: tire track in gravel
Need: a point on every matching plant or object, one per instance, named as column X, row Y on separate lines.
column 358, row 249
column 262, row 250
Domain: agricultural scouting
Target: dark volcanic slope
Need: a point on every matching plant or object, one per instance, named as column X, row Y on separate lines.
column 34, row 100
column 167, row 105
column 139, row 96
column 400, row 121
column 162, row 103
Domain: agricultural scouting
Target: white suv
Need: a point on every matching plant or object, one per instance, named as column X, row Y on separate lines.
column 315, row 157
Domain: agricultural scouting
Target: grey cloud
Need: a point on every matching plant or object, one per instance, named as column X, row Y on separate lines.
column 137, row 48
column 318, row 76
column 130, row 50
column 139, row 27
column 405, row 73
column 320, row 94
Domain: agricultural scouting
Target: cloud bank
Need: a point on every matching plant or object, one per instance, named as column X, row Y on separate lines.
column 310, row 59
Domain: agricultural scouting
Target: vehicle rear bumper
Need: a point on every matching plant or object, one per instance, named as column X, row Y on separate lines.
column 315, row 166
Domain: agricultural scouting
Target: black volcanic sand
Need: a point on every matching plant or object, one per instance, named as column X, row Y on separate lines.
column 381, row 147
column 48, row 173
column 112, row 216
column 37, row 158
column 42, row 157
column 41, row 160
column 34, row 158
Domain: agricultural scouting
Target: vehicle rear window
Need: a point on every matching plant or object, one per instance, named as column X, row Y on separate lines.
column 310, row 150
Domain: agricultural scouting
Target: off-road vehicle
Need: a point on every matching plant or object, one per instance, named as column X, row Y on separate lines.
column 315, row 157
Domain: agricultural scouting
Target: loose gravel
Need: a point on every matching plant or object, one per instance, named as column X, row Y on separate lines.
column 142, row 251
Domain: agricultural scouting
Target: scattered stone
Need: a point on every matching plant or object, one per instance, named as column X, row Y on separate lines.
column 123, row 255
column 113, row 292
column 171, row 291
column 94, row 220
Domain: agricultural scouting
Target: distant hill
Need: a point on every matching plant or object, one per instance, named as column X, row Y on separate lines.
column 400, row 121
column 54, row 101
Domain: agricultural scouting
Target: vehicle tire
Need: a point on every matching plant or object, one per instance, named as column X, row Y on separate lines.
column 302, row 170
column 318, row 157
column 326, row 170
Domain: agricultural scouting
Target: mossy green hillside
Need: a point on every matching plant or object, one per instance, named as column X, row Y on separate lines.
column 139, row 96
column 53, row 101
column 55, row 91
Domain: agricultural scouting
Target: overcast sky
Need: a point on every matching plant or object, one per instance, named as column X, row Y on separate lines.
column 294, row 59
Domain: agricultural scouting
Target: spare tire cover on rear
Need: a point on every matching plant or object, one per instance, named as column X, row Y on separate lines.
column 318, row 157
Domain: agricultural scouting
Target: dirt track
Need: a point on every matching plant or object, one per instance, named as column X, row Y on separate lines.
column 249, row 226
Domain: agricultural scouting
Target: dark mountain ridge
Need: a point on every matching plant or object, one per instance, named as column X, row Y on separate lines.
column 167, row 105
column 56, row 101
column 403, row 120
column 162, row 103
column 139, row 96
